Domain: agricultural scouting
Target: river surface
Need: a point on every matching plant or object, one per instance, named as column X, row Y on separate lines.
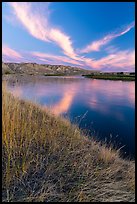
column 104, row 108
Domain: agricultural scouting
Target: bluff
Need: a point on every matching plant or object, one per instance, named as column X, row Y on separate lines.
column 41, row 69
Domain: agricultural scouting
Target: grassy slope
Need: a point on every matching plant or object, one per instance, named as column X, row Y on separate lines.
column 45, row 158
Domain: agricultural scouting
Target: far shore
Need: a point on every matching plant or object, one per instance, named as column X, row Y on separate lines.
column 103, row 76
column 112, row 77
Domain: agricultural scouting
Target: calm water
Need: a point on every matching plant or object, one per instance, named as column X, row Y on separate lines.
column 103, row 107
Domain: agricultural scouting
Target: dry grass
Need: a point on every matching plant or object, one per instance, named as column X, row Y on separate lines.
column 46, row 159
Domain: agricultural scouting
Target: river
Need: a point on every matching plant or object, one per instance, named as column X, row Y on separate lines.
column 104, row 109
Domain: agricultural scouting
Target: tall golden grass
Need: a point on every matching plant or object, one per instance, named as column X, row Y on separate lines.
column 46, row 159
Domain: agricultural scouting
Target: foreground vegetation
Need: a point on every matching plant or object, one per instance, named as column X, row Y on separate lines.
column 112, row 77
column 46, row 159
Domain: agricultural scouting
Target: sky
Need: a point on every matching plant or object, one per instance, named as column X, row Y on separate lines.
column 91, row 35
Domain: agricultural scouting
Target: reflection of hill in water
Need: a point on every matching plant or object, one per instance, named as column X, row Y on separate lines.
column 23, row 79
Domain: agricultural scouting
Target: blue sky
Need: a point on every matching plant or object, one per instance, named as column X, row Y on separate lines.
column 90, row 35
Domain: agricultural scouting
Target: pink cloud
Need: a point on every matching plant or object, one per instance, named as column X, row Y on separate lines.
column 96, row 45
column 8, row 53
column 121, row 59
column 38, row 25
column 111, row 49
column 33, row 22
column 36, row 22
column 55, row 59
column 63, row 41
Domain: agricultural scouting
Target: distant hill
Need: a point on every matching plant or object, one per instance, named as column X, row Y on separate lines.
column 41, row 69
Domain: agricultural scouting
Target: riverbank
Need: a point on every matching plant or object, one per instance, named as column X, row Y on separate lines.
column 112, row 77
column 47, row 159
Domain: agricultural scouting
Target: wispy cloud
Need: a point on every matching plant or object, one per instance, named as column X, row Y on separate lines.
column 96, row 45
column 10, row 54
column 55, row 58
column 35, row 19
column 35, row 24
column 111, row 49
column 38, row 25
column 122, row 60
